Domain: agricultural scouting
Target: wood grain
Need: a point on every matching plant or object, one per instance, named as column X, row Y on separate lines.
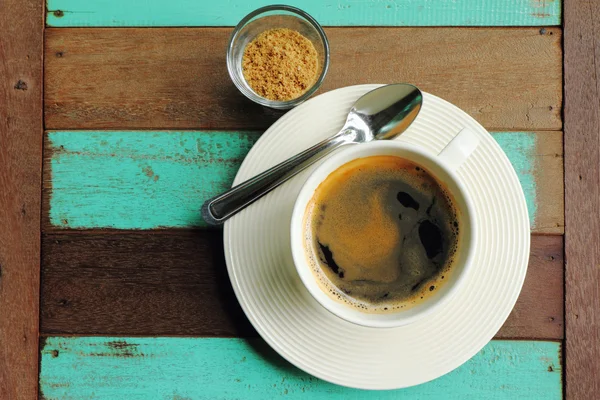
column 159, row 179
column 175, row 283
column 223, row 369
column 328, row 12
column 21, row 38
column 508, row 79
column 539, row 311
column 549, row 170
column 537, row 159
column 139, row 284
column 582, row 198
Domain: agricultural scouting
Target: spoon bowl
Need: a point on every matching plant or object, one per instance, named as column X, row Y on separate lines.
column 385, row 112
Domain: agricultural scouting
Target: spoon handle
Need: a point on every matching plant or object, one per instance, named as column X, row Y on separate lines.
column 217, row 210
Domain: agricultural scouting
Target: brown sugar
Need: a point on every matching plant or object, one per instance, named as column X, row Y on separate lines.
column 280, row 64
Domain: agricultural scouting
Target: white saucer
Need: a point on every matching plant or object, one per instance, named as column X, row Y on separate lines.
column 259, row 261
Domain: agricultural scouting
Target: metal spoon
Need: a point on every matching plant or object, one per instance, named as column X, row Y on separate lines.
column 380, row 114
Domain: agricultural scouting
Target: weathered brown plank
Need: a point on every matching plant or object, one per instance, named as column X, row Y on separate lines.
column 508, row 79
column 539, row 312
column 175, row 283
column 131, row 283
column 550, row 201
column 582, row 198
column 21, row 38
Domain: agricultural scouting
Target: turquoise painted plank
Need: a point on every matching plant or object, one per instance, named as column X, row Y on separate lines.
column 211, row 368
column 520, row 149
column 140, row 180
column 147, row 180
column 68, row 13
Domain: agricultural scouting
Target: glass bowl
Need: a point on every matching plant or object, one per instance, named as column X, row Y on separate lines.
column 272, row 17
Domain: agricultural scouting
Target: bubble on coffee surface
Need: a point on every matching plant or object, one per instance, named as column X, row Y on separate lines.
column 381, row 234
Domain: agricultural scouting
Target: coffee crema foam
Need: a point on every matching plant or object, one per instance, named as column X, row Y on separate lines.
column 381, row 234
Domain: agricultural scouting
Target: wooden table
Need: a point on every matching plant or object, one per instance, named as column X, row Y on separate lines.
column 117, row 120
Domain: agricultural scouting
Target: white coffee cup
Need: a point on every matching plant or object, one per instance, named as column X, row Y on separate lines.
column 442, row 166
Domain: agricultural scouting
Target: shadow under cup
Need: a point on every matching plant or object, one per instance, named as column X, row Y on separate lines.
column 462, row 259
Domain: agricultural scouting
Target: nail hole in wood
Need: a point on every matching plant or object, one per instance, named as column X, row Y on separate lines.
column 21, row 85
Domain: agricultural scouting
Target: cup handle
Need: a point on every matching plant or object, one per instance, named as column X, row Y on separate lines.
column 459, row 149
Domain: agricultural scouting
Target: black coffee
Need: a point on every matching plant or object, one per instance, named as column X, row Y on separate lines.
column 381, row 233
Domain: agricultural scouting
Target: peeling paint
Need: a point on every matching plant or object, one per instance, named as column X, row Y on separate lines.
column 129, row 180
column 328, row 13
column 207, row 368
